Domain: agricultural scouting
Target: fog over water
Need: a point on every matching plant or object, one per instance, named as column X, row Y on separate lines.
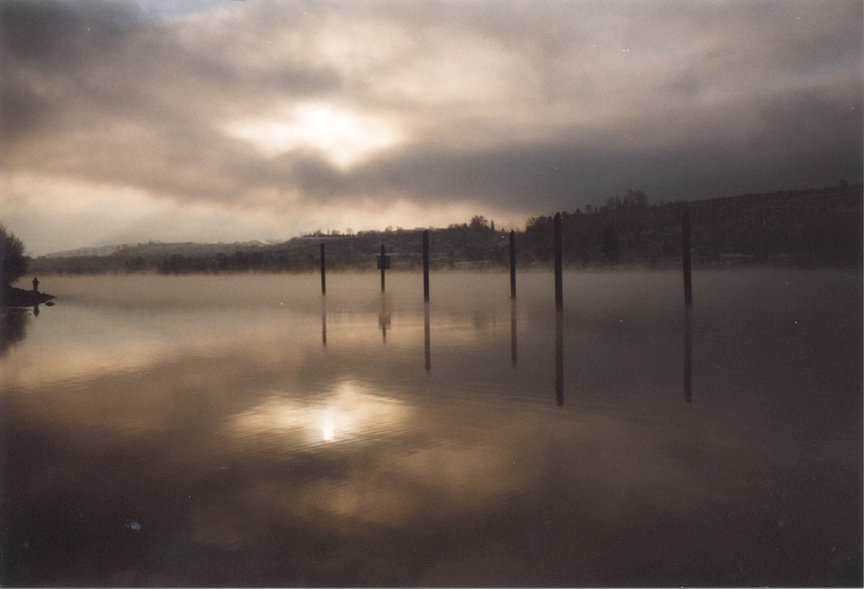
column 245, row 430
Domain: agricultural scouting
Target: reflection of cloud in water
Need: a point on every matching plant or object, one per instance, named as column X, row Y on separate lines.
column 243, row 445
column 446, row 461
column 474, row 474
column 399, row 464
column 81, row 342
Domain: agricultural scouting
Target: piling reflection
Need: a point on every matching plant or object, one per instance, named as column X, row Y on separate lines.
column 384, row 315
column 513, row 344
column 427, row 339
column 324, row 321
column 559, row 357
column 688, row 355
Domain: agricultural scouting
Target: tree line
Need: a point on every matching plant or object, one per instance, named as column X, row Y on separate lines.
column 813, row 227
column 13, row 262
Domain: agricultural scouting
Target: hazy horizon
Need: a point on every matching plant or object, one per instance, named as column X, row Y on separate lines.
column 217, row 120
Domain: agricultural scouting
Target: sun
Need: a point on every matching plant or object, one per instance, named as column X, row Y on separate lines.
column 344, row 137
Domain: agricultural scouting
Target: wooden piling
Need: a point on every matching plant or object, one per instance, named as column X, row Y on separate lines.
column 426, row 265
column 685, row 257
column 323, row 273
column 512, row 264
column 556, row 246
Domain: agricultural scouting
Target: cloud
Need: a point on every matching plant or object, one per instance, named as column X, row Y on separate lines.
column 504, row 109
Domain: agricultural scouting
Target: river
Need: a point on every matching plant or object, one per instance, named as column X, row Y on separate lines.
column 246, row 430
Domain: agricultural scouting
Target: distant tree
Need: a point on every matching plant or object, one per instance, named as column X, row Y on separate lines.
column 610, row 245
column 135, row 264
column 13, row 262
column 636, row 198
column 612, row 203
column 479, row 222
column 222, row 261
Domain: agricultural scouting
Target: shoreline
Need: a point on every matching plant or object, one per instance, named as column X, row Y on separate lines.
column 18, row 297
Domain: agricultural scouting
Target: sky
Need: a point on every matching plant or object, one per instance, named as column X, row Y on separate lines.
column 235, row 120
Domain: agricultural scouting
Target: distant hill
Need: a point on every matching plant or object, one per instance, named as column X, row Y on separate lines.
column 804, row 228
column 156, row 248
column 809, row 227
column 85, row 251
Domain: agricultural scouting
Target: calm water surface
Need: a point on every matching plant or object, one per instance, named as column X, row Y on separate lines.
column 244, row 430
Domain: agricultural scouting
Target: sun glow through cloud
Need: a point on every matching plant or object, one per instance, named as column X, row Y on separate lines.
column 237, row 121
column 344, row 137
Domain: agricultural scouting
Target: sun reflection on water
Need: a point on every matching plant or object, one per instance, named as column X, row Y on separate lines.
column 348, row 413
column 328, row 430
